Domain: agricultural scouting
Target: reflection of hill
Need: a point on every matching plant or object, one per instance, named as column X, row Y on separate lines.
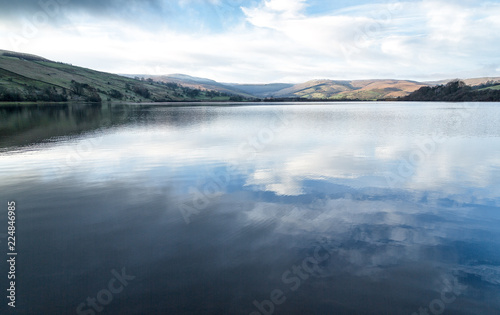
column 24, row 125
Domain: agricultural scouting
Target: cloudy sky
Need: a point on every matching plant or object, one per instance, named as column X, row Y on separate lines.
column 262, row 40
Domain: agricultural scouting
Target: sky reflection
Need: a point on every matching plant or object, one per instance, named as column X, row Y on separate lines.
column 264, row 197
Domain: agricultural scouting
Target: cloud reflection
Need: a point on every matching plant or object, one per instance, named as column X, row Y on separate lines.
column 321, row 181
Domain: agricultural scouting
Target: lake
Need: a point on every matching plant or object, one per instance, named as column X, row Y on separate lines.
column 310, row 208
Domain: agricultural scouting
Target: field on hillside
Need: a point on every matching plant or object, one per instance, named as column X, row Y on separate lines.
column 23, row 78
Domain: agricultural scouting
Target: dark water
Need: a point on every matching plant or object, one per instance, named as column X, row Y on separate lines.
column 358, row 208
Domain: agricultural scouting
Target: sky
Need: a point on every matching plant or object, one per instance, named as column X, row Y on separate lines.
column 262, row 41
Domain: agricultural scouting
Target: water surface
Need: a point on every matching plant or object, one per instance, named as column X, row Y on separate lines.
column 343, row 208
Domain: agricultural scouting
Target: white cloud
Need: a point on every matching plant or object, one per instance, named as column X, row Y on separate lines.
column 273, row 10
column 342, row 154
column 278, row 41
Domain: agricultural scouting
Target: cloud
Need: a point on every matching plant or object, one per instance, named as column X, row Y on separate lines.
column 263, row 41
column 311, row 151
column 180, row 15
column 27, row 7
column 273, row 10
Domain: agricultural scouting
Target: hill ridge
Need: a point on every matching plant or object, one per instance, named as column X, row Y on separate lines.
column 28, row 77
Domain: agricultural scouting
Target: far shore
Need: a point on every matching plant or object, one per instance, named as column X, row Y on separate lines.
column 225, row 103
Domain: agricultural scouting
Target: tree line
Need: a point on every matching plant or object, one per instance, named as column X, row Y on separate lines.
column 455, row 91
column 86, row 92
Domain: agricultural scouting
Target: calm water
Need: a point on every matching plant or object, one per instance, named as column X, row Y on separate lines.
column 358, row 208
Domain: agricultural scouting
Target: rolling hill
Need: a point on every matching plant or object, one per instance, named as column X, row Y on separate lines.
column 319, row 89
column 260, row 90
column 314, row 89
column 457, row 91
column 244, row 90
column 195, row 83
column 350, row 90
column 25, row 77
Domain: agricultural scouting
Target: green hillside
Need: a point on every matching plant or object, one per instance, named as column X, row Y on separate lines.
column 314, row 89
column 456, row 91
column 494, row 87
column 197, row 83
column 30, row 78
column 25, row 77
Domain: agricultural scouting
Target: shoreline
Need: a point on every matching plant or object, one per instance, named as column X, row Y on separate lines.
column 229, row 103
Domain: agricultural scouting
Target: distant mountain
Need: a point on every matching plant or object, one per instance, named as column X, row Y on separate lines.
column 196, row 83
column 260, row 90
column 25, row 77
column 358, row 89
column 188, row 78
column 244, row 90
column 314, row 89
